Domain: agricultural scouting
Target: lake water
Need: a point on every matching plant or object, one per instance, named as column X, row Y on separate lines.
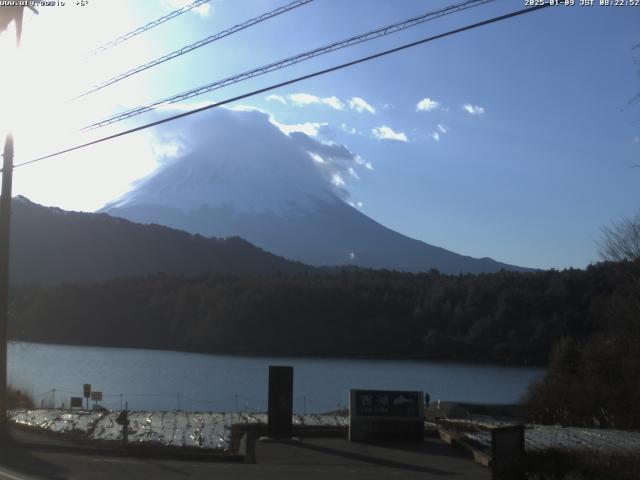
column 162, row 380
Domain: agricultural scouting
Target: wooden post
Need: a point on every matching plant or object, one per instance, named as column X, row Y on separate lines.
column 125, row 426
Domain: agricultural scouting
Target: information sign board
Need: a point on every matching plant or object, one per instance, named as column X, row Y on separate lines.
column 382, row 415
column 387, row 403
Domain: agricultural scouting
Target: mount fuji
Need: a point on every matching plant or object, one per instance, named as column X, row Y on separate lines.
column 240, row 173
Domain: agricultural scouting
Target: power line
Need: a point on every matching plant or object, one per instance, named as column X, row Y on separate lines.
column 288, row 82
column 147, row 26
column 380, row 32
column 290, row 61
column 194, row 46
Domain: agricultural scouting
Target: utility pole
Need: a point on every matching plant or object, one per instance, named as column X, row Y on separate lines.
column 8, row 14
column 5, row 225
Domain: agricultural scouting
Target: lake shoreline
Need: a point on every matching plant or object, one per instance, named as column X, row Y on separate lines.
column 165, row 380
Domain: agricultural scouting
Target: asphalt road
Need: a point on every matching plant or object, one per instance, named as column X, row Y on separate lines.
column 311, row 459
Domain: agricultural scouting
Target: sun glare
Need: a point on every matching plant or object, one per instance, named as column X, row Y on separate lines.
column 21, row 107
column 38, row 79
column 50, row 67
column 10, row 87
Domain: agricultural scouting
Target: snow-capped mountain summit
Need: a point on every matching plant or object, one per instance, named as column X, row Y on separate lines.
column 236, row 173
column 255, row 176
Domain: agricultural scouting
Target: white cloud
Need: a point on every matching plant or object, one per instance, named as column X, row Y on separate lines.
column 337, row 180
column 386, row 133
column 316, row 158
column 473, row 109
column 360, row 105
column 245, row 108
column 167, row 150
column 360, row 161
column 437, row 134
column 636, row 140
column 276, row 98
column 244, row 135
column 346, row 128
column 426, row 105
column 333, row 102
column 204, row 10
column 308, row 128
column 304, row 99
column 334, row 160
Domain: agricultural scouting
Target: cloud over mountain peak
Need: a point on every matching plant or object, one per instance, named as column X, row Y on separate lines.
column 243, row 158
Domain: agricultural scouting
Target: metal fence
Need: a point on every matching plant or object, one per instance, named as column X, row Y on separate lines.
column 60, row 398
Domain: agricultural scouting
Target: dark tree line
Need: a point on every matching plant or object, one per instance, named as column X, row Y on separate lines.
column 505, row 317
column 595, row 380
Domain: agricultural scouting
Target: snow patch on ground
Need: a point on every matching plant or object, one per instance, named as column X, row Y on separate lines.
column 205, row 430
column 212, row 431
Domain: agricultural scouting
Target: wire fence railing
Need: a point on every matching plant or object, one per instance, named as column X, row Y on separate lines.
column 302, row 404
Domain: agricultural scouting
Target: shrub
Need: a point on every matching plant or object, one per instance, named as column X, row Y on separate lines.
column 556, row 464
column 18, row 399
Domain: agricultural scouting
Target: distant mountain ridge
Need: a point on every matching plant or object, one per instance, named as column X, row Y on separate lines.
column 332, row 234
column 240, row 175
column 50, row 245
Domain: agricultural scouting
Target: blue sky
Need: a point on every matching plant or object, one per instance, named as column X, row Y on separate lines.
column 521, row 152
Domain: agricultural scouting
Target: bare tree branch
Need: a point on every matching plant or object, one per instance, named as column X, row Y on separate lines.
column 621, row 241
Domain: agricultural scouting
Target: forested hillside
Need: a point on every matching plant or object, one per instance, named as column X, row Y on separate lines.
column 505, row 317
column 50, row 245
